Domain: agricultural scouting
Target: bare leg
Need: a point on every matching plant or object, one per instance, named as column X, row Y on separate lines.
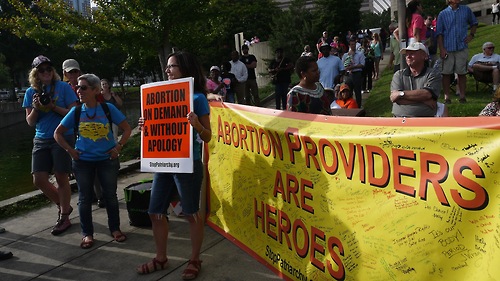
column 446, row 86
column 197, row 228
column 64, row 192
column 160, row 234
column 41, row 181
column 462, row 80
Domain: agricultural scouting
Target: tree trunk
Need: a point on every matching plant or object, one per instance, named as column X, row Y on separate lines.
column 163, row 52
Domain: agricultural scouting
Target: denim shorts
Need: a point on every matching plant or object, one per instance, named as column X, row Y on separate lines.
column 48, row 156
column 187, row 185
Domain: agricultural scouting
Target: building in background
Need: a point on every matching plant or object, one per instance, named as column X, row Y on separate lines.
column 81, row 6
column 367, row 6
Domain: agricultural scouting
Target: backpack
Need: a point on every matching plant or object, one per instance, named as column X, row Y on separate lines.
column 78, row 112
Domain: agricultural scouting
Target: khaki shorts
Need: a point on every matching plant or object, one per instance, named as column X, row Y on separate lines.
column 456, row 62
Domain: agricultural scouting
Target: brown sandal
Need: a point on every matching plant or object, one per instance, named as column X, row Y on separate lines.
column 146, row 268
column 118, row 236
column 190, row 273
column 87, row 244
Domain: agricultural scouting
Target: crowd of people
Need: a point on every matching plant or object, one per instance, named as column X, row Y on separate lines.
column 77, row 120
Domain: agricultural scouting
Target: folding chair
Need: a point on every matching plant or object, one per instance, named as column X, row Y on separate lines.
column 485, row 78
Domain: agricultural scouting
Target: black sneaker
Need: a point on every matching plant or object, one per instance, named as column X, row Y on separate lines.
column 5, row 255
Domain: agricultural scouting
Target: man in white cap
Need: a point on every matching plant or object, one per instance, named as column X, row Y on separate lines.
column 415, row 89
column 485, row 65
column 71, row 72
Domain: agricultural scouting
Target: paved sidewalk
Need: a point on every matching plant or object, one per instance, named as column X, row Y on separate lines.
column 38, row 255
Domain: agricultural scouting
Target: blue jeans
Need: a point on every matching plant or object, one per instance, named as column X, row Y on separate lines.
column 107, row 173
column 167, row 185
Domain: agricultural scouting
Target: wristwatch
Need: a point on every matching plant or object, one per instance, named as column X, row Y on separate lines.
column 401, row 94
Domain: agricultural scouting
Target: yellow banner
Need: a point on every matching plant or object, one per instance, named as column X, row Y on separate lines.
column 352, row 198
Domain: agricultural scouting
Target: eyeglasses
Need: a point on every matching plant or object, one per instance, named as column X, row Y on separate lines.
column 44, row 69
column 169, row 66
column 490, row 48
column 82, row 87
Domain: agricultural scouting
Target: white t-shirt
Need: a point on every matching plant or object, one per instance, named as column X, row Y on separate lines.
column 494, row 8
column 484, row 58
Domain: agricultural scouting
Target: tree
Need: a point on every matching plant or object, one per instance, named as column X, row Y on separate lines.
column 338, row 16
column 293, row 29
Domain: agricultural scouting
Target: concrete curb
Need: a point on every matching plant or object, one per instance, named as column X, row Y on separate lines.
column 125, row 167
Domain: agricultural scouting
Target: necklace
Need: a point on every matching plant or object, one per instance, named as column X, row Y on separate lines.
column 87, row 110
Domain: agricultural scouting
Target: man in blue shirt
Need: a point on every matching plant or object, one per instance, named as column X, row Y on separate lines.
column 451, row 32
column 329, row 67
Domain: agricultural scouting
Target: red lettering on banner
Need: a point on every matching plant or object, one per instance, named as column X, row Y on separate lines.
column 382, row 166
column 480, row 201
column 243, row 137
column 338, row 274
column 348, row 163
column 300, row 249
column 284, row 227
column 294, row 190
column 426, row 160
column 400, row 170
column 311, row 151
column 315, row 247
column 293, row 144
column 330, row 169
column 259, row 215
column 271, row 222
column 362, row 166
column 303, row 240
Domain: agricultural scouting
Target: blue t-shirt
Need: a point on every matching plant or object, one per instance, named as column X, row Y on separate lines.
column 329, row 68
column 48, row 120
column 201, row 108
column 95, row 137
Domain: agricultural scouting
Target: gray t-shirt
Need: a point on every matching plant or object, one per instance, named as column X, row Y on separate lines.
column 429, row 79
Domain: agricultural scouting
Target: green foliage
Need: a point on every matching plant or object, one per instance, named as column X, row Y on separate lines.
column 5, row 80
column 293, row 29
column 132, row 149
column 379, row 105
column 373, row 20
column 338, row 15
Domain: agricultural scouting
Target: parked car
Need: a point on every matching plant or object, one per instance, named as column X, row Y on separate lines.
column 4, row 95
column 20, row 93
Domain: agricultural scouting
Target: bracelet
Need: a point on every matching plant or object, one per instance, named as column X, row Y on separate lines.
column 202, row 130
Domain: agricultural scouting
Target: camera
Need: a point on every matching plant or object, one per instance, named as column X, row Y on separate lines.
column 44, row 98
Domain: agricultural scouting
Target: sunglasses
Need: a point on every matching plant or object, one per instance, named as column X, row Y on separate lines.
column 82, row 87
column 490, row 48
column 44, row 69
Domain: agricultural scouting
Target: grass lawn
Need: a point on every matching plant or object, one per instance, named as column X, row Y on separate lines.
column 379, row 105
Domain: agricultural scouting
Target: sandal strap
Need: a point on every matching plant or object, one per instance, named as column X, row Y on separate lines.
column 145, row 269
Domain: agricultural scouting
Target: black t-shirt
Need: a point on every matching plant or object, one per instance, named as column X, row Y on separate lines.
column 283, row 75
column 248, row 60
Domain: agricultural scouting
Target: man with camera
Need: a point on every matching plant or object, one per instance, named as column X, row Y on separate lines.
column 46, row 102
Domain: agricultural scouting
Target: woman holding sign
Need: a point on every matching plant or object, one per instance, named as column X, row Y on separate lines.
column 187, row 185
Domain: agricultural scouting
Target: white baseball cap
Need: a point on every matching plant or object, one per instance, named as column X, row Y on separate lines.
column 415, row 46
